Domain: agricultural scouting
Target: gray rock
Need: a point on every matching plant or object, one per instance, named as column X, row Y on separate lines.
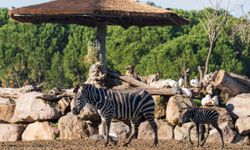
column 160, row 106
column 243, row 125
column 174, row 108
column 10, row 132
column 72, row 127
column 164, row 131
column 39, row 131
column 29, row 108
column 6, row 112
column 117, row 129
column 88, row 113
column 239, row 105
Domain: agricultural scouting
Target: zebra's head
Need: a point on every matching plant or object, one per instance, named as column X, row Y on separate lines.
column 185, row 117
column 80, row 98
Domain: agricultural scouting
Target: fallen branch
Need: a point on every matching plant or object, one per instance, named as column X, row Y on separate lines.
column 128, row 79
column 49, row 97
column 154, row 91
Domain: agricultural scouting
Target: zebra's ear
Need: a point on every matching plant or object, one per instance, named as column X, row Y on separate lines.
column 76, row 88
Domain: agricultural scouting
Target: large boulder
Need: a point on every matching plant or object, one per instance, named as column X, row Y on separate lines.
column 88, row 113
column 39, row 131
column 174, row 108
column 10, row 132
column 6, row 112
column 160, row 106
column 243, row 125
column 164, row 130
column 239, row 105
column 7, row 108
column 5, row 101
column 29, row 108
column 181, row 133
column 118, row 129
column 73, row 127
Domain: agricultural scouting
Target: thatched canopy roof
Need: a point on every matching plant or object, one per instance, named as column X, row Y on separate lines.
column 92, row 12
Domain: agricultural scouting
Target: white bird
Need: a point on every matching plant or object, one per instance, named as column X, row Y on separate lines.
column 159, row 84
column 206, row 100
column 164, row 83
column 187, row 92
column 181, row 82
column 173, row 83
column 215, row 100
column 195, row 83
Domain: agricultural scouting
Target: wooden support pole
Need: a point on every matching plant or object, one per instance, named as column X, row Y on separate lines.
column 101, row 35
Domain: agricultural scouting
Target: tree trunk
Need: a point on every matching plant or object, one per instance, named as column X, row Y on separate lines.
column 212, row 43
column 233, row 85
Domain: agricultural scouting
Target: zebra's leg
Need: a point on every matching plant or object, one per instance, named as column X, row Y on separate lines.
column 189, row 134
column 104, row 131
column 198, row 134
column 107, row 128
column 207, row 134
column 150, row 118
column 132, row 134
column 216, row 126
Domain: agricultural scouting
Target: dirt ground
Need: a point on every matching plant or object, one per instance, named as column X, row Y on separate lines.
column 92, row 145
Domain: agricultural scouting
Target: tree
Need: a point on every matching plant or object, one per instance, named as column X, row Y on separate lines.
column 213, row 22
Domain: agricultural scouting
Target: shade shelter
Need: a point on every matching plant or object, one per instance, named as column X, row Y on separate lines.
column 97, row 13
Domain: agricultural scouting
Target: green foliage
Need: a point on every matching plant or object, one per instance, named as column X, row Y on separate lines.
column 197, row 102
column 54, row 54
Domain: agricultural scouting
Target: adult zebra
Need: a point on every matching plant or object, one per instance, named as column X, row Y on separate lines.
column 130, row 105
column 200, row 116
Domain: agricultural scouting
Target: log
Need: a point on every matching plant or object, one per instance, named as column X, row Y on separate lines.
column 49, row 97
column 128, row 79
column 231, row 84
column 11, row 93
column 159, row 91
column 142, row 86
column 153, row 91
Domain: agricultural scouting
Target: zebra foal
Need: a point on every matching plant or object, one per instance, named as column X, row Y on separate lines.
column 133, row 105
column 200, row 116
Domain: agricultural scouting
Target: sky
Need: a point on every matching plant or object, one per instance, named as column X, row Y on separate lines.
column 234, row 5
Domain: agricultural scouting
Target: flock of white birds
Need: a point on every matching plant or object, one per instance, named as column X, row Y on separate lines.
column 179, row 85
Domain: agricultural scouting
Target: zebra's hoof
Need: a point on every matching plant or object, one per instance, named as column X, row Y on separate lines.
column 125, row 144
column 154, row 145
column 114, row 143
column 106, row 144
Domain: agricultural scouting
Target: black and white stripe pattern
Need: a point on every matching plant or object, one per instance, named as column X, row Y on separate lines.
column 200, row 116
column 130, row 105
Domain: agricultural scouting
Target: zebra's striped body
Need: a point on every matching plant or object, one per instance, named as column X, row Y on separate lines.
column 200, row 116
column 130, row 105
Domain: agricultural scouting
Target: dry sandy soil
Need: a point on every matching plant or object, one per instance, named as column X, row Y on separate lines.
column 92, row 145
